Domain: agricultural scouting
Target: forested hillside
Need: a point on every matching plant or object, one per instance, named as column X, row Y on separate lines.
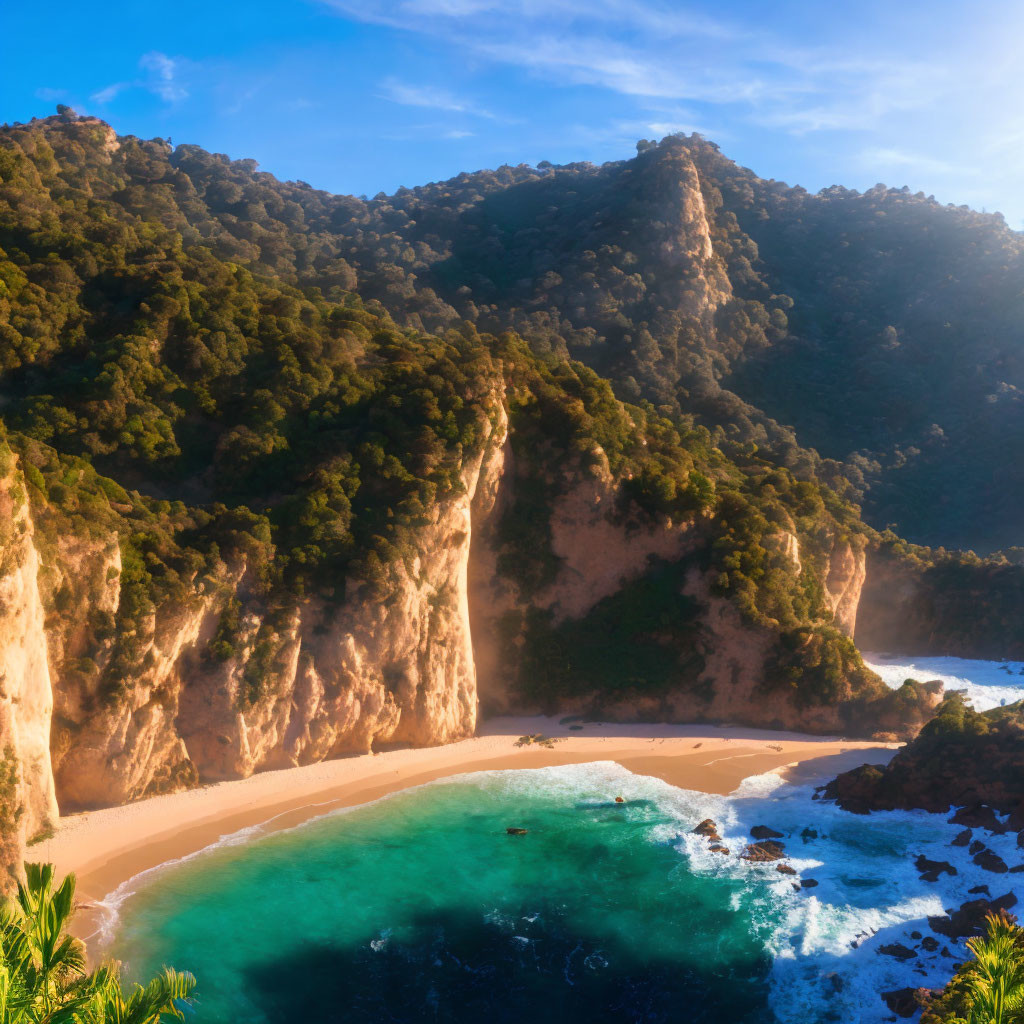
column 275, row 487
column 879, row 331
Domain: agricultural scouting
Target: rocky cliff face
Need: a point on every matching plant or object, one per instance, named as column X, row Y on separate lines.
column 227, row 683
column 28, row 805
column 297, row 684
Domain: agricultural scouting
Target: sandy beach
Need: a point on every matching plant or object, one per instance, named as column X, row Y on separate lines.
column 106, row 847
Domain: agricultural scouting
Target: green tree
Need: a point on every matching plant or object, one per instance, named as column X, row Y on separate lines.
column 43, row 976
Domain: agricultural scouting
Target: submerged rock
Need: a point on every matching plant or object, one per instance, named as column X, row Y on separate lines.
column 969, row 920
column 931, row 869
column 962, row 838
column 809, row 883
column 978, row 816
column 516, row 831
column 764, row 832
column 905, row 1002
column 898, row 950
column 991, row 861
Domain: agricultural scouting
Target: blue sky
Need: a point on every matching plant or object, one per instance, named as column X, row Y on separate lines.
column 366, row 95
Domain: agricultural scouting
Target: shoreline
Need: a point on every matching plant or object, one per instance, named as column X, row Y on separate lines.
column 108, row 847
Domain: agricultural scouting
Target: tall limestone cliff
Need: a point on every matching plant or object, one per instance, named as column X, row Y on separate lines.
column 283, row 685
column 28, row 805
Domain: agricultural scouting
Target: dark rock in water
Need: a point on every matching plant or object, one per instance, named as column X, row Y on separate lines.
column 707, row 828
column 978, row 816
column 991, row 861
column 929, row 943
column 979, row 890
column 516, row 831
column 764, row 832
column 1017, row 869
column 970, row 918
column 720, row 849
column 766, row 850
column 1020, row 838
column 785, row 869
column 962, row 838
column 809, row 883
column 945, row 952
column 976, row 847
column 619, row 800
column 809, row 833
column 915, row 935
column 931, row 869
column 897, row 950
column 836, row 982
column 905, row 1002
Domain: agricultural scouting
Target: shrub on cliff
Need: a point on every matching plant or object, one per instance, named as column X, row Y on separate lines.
column 43, row 977
column 989, row 988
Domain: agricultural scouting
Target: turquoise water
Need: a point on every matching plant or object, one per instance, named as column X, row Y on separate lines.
column 421, row 908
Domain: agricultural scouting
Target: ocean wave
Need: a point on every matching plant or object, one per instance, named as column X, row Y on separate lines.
column 988, row 684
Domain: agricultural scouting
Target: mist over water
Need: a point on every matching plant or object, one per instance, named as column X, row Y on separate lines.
column 421, row 908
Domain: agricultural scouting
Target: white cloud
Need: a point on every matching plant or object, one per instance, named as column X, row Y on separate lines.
column 430, row 97
column 164, row 77
column 110, row 92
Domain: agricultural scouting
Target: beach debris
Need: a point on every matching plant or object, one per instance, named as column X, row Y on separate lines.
column 696, row 745
column 538, row 739
column 991, row 861
column 512, row 831
column 766, row 850
column 931, row 869
column 970, row 918
column 785, row 869
column 764, row 832
column 775, row 746
column 897, row 950
column 962, row 838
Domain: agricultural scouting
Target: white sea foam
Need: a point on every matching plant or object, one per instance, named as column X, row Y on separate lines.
column 824, row 941
column 988, row 684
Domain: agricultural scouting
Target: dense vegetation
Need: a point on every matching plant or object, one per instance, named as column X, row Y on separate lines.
column 989, row 987
column 186, row 366
column 43, row 975
column 961, row 757
column 683, row 278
